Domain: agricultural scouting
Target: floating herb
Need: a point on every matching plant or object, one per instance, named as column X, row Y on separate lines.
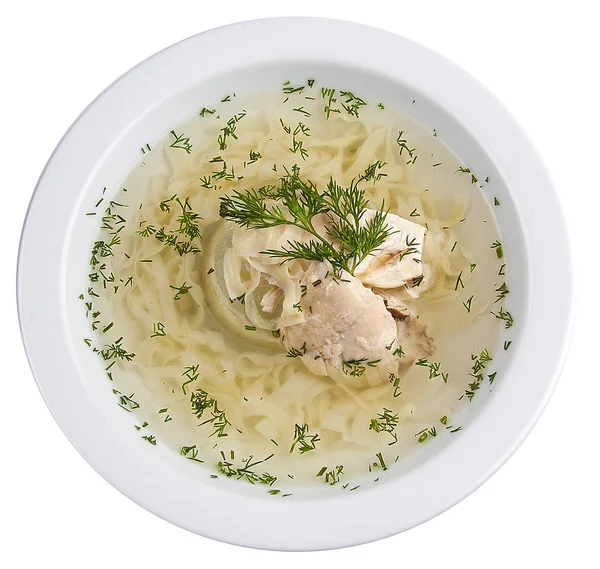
column 296, row 202
column 181, row 290
column 385, row 422
column 303, row 439
column 181, row 141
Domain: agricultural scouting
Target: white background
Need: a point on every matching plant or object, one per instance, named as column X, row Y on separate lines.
column 540, row 58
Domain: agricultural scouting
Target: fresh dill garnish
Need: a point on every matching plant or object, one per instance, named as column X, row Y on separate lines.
column 381, row 461
column 426, row 433
column 437, row 164
column 329, row 96
column 245, row 471
column 467, row 171
column 158, row 329
column 372, row 173
column 126, row 401
column 191, row 453
column 288, row 89
column 254, row 156
column 181, row 290
column 187, row 227
column 496, row 201
column 502, row 291
column 355, row 368
column 302, row 110
column 303, row 439
column 504, row 315
column 403, row 145
column 507, row 344
column 206, row 111
column 468, row 303
column 165, row 412
column 502, row 271
column 250, row 328
column 480, row 363
column 115, row 351
column 332, row 476
column 295, row 353
column 395, row 381
column 499, row 251
column 398, row 352
column 385, row 422
column 228, row 131
column 381, row 106
column 150, row 438
column 459, row 282
column 454, row 247
column 191, row 373
column 434, row 369
column 181, row 141
column 200, row 402
column 351, row 103
column 296, row 202
column 473, row 266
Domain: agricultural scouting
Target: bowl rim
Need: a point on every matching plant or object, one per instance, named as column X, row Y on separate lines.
column 522, row 169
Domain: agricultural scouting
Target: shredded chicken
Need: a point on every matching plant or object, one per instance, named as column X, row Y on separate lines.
column 399, row 258
column 345, row 323
column 413, row 335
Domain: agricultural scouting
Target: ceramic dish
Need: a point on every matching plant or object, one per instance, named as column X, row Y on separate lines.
column 104, row 143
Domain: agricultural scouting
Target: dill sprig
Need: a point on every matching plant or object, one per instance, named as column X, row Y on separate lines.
column 191, row 453
column 372, row 173
column 403, row 145
column 504, row 315
column 465, row 170
column 228, row 131
column 351, row 103
column 356, row 368
column 480, row 363
column 181, row 141
column 303, row 439
column 385, row 422
column 245, row 471
column 126, row 401
column 115, row 351
column 158, row 329
column 502, row 291
column 426, row 433
column 332, row 476
column 296, row 202
column 187, row 227
column 329, row 97
column 200, row 401
column 499, row 250
column 181, row 290
column 434, row 369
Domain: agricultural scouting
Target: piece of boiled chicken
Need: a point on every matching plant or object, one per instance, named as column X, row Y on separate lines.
column 399, row 258
column 348, row 325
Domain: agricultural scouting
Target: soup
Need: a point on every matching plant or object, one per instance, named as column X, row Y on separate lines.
column 297, row 287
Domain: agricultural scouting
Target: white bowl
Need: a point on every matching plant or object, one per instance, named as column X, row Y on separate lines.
column 103, row 144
